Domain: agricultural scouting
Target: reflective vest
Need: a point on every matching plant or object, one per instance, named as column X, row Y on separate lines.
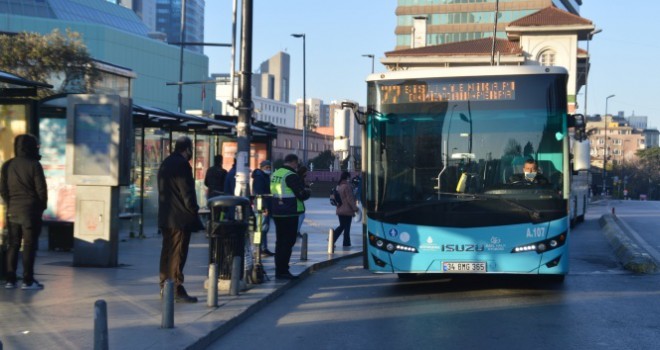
column 284, row 202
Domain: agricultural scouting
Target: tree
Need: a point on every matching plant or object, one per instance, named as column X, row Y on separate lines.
column 323, row 160
column 61, row 60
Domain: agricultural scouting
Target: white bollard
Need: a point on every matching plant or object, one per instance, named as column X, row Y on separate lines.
column 331, row 241
column 212, row 291
column 100, row 326
column 167, row 320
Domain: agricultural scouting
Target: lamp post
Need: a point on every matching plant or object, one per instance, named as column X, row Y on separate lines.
column 607, row 100
column 372, row 61
column 304, row 117
column 586, row 77
column 182, row 35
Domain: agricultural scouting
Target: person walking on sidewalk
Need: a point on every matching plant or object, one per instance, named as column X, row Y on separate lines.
column 261, row 186
column 23, row 188
column 177, row 215
column 288, row 192
column 346, row 210
column 215, row 178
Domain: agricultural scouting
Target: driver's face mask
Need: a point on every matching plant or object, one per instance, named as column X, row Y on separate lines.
column 529, row 176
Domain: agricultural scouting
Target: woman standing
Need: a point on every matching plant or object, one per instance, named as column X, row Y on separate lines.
column 346, row 210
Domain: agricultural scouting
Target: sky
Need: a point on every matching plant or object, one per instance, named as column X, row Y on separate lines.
column 624, row 55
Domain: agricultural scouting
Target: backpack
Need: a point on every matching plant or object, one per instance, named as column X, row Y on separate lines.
column 335, row 198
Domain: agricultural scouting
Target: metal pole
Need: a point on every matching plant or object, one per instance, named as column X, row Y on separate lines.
column 303, row 247
column 586, row 75
column 142, row 152
column 243, row 132
column 167, row 320
column 182, row 36
column 607, row 100
column 331, row 241
column 212, row 292
column 101, row 325
column 232, row 70
column 492, row 50
column 304, row 103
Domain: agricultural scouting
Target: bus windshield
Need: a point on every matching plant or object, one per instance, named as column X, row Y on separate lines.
column 448, row 151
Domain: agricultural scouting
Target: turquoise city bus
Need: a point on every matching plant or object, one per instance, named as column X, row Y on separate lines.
column 444, row 188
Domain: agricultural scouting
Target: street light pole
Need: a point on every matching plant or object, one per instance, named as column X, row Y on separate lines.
column 243, row 132
column 607, row 100
column 304, row 118
column 182, row 39
column 586, row 77
column 372, row 61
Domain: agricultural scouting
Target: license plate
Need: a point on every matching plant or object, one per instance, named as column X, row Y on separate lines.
column 464, row 267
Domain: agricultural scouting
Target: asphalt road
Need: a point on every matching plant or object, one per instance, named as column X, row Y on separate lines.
column 599, row 306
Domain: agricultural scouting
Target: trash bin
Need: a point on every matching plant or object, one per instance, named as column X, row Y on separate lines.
column 227, row 230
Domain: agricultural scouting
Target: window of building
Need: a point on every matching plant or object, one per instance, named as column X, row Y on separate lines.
column 547, row 58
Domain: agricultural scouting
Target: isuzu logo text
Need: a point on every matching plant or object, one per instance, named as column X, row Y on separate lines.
column 462, row 247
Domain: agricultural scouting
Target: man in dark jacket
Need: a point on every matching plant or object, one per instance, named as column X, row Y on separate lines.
column 177, row 215
column 215, row 178
column 288, row 192
column 23, row 188
column 261, row 186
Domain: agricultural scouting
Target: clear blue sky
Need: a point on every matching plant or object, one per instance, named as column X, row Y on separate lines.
column 625, row 56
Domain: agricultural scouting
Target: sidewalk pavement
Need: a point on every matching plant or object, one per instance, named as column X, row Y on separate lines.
column 61, row 316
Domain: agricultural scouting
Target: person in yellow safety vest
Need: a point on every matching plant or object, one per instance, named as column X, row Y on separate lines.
column 289, row 192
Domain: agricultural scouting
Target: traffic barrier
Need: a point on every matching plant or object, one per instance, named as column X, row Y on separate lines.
column 167, row 320
column 100, row 326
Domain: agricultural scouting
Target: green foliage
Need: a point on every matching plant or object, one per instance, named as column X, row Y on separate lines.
column 323, row 160
column 61, row 60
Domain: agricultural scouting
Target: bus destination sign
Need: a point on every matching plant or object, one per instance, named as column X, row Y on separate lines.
column 424, row 92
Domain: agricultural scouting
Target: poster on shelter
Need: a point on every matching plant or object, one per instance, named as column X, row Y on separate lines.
column 61, row 196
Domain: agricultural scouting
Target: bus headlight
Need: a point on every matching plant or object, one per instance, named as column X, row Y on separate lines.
column 389, row 246
column 542, row 246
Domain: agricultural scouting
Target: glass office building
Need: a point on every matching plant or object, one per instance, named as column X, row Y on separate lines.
column 168, row 21
column 450, row 21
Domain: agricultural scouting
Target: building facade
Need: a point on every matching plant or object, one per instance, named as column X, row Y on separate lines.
column 145, row 9
column 168, row 21
column 447, row 21
column 115, row 35
column 614, row 138
column 547, row 37
column 272, row 79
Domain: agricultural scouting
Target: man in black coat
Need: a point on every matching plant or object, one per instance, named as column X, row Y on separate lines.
column 177, row 215
column 23, row 188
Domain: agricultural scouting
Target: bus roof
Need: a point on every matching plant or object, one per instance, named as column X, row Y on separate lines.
column 458, row 72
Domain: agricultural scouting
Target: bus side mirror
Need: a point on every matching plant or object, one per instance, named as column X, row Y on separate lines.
column 578, row 122
column 581, row 156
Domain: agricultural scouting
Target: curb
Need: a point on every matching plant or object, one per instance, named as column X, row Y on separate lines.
column 631, row 256
column 205, row 341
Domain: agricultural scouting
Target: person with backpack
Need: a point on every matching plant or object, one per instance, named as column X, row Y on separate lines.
column 346, row 208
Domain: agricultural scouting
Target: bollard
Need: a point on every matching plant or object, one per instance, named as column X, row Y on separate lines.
column 212, row 292
column 303, row 247
column 234, row 283
column 331, row 241
column 613, row 213
column 100, row 326
column 168, row 305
